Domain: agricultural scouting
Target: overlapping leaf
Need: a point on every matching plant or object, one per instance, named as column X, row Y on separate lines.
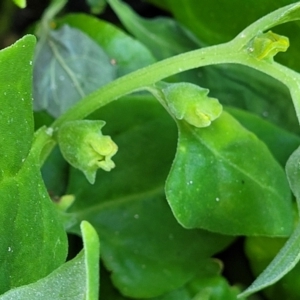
column 148, row 252
column 126, row 53
column 66, row 70
column 76, row 279
column 33, row 241
column 163, row 36
column 225, row 180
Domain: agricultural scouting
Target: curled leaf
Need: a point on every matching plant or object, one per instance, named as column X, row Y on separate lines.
column 267, row 45
column 85, row 148
column 189, row 102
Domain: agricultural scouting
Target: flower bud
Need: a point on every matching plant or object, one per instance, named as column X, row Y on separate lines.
column 267, row 45
column 189, row 102
column 85, row 148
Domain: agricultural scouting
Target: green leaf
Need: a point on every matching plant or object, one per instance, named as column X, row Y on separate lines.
column 29, row 221
column 248, row 89
column 113, row 41
column 91, row 252
column 76, row 279
column 20, row 3
column 225, row 180
column 289, row 255
column 208, row 23
column 272, row 135
column 163, row 36
column 189, row 102
column 65, row 71
column 128, row 207
column 284, row 262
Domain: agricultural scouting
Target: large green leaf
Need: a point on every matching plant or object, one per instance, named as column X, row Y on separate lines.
column 33, row 241
column 76, row 279
column 225, row 180
column 142, row 243
column 65, row 71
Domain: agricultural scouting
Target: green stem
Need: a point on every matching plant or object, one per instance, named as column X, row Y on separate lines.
column 225, row 53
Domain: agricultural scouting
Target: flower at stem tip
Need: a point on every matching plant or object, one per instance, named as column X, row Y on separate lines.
column 84, row 147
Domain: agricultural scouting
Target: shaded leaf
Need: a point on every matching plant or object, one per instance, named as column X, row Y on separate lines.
column 76, row 279
column 29, row 221
column 20, row 3
column 128, row 207
column 65, row 71
column 163, row 36
column 97, row 6
column 113, row 41
column 225, row 180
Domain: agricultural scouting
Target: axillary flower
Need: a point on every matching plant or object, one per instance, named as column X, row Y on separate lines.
column 189, row 102
column 266, row 45
column 85, row 148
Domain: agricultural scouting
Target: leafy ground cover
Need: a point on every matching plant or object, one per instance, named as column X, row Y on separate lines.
column 171, row 141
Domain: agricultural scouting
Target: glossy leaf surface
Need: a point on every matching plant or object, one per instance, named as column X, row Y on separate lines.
column 33, row 241
column 225, row 180
column 76, row 279
column 128, row 208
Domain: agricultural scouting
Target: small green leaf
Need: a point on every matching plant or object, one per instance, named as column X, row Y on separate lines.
column 20, row 3
column 225, row 180
column 85, row 148
column 76, row 279
column 29, row 223
column 65, row 71
column 267, row 45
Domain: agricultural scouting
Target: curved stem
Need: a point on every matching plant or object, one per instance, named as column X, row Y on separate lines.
column 225, row 53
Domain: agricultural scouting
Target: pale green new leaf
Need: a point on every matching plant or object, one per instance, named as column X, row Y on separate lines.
column 77, row 279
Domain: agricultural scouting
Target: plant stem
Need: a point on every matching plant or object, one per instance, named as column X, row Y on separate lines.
column 224, row 53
